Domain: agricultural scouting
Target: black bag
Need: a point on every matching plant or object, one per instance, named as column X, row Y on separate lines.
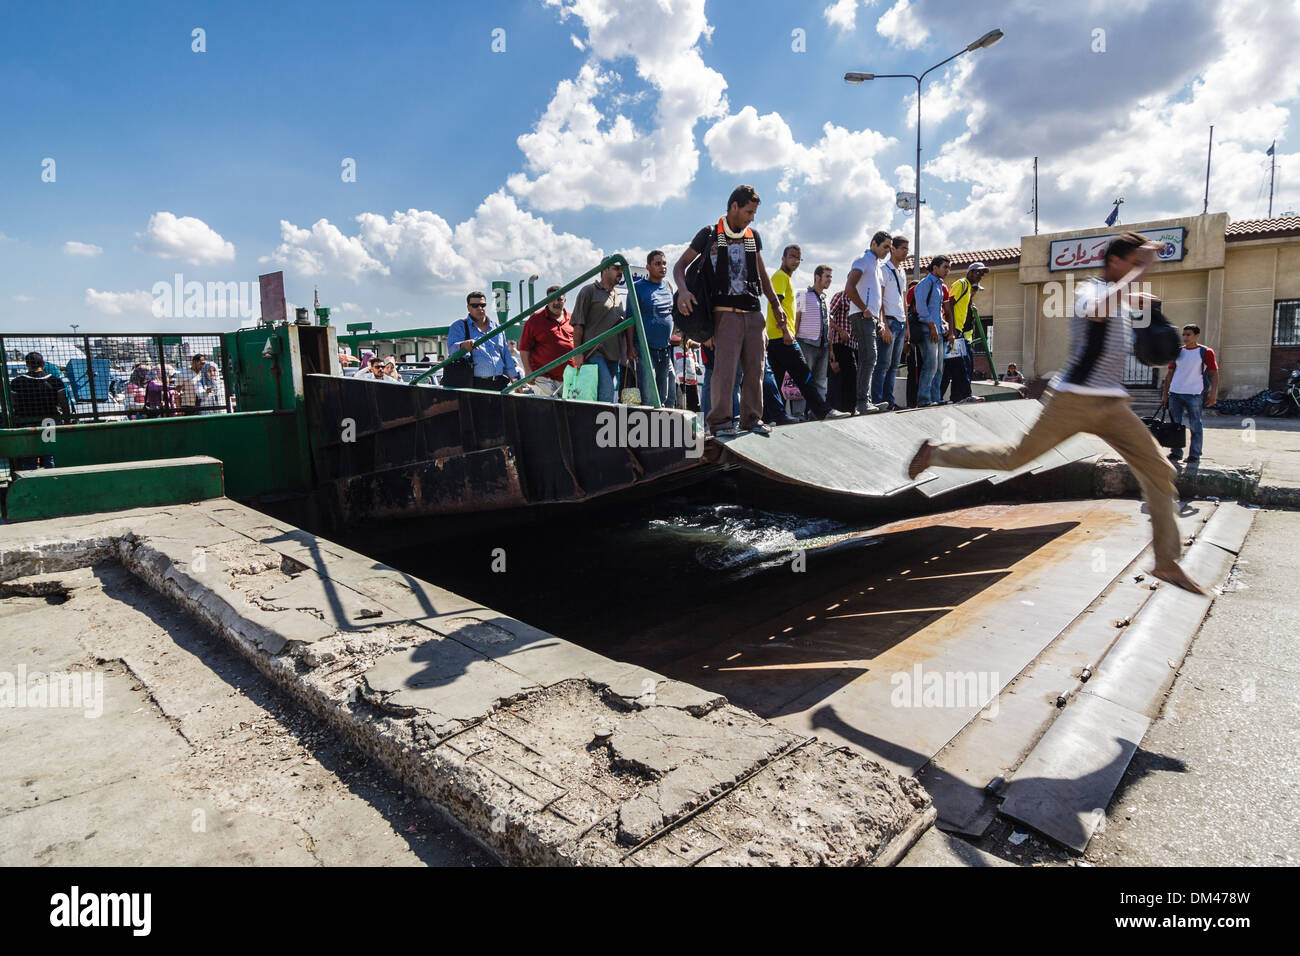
column 1157, row 343
column 698, row 326
column 460, row 373
column 1168, row 434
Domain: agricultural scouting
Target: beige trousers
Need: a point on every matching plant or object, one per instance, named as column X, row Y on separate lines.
column 1112, row 420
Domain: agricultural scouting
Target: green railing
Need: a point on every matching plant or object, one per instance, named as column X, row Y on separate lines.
column 649, row 395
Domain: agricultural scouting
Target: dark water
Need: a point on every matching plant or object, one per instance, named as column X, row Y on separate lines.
column 650, row 568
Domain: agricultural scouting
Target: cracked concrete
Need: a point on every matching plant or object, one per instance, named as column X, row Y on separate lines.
column 546, row 752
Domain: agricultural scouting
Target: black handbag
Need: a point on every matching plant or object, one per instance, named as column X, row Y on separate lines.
column 1168, row 433
column 460, row 373
column 699, row 325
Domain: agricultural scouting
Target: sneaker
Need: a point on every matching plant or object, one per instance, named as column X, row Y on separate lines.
column 866, row 408
column 835, row 413
column 785, row 420
column 727, row 431
column 761, row 429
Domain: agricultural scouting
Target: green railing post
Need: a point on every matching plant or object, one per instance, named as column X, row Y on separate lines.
column 634, row 307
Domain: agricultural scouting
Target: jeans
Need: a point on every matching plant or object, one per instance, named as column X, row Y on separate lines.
column 864, row 330
column 843, row 384
column 887, row 359
column 927, row 386
column 663, row 377
column 606, row 377
column 1186, row 410
column 818, row 359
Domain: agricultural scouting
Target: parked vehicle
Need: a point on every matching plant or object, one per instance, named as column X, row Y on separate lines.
column 1286, row 401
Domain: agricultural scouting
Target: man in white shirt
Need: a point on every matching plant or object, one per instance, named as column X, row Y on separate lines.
column 889, row 352
column 1191, row 386
column 865, row 295
column 812, row 327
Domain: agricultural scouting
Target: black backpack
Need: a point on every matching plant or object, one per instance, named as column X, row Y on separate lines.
column 1157, row 343
column 698, row 326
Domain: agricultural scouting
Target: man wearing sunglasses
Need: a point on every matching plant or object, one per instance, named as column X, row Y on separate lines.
column 494, row 363
column 1191, row 385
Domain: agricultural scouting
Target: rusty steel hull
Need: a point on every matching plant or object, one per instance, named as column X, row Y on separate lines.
column 385, row 451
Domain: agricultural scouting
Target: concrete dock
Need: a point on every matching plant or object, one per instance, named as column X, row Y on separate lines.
column 542, row 751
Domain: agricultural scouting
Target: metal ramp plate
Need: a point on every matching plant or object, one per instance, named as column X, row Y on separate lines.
column 867, row 455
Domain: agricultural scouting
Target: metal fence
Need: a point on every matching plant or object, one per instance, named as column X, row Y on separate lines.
column 118, row 377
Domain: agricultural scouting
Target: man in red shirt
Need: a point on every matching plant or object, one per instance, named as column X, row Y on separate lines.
column 1191, row 385
column 548, row 334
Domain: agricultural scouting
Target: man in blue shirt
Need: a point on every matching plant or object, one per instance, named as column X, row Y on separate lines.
column 494, row 364
column 656, row 302
column 929, row 308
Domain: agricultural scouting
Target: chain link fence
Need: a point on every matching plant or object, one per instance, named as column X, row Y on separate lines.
column 114, row 378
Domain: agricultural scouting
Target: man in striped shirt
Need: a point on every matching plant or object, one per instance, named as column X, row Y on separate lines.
column 1089, row 396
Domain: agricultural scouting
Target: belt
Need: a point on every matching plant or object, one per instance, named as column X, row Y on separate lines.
column 728, row 308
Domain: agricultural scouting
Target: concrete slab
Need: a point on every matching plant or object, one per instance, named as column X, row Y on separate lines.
column 1065, row 784
column 937, row 848
column 533, row 771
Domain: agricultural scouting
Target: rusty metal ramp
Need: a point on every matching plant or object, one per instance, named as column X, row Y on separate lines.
column 867, row 455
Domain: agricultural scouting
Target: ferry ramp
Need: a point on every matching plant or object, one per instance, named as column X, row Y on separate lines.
column 866, row 456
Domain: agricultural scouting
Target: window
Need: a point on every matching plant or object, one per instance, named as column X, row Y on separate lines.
column 1286, row 322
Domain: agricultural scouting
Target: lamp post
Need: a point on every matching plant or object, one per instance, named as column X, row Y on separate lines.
column 987, row 40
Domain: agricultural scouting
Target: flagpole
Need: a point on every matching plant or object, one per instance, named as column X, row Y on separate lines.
column 1208, row 153
column 1035, row 195
column 1272, row 169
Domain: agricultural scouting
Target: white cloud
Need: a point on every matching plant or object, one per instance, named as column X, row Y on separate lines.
column 421, row 252
column 23, row 298
column 745, row 142
column 1151, row 150
column 73, row 248
column 187, row 238
column 902, row 27
column 321, row 250
column 138, row 304
column 843, row 14
column 577, row 156
column 578, row 43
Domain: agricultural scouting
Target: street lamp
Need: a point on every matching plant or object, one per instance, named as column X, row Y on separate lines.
column 854, row 79
column 74, row 327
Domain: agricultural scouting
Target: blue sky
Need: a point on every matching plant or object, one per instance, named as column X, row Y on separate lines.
column 169, row 160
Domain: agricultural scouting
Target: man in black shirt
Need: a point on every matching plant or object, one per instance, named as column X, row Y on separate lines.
column 737, row 277
column 38, row 397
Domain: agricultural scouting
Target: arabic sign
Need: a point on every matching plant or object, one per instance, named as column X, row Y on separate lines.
column 1090, row 251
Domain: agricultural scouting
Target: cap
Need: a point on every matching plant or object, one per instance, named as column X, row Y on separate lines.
column 977, row 266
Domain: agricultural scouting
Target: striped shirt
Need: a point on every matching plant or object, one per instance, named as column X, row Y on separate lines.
column 1104, row 374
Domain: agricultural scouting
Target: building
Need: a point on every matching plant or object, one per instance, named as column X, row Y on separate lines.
column 1240, row 282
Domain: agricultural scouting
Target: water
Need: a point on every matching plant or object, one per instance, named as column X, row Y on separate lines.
column 646, row 570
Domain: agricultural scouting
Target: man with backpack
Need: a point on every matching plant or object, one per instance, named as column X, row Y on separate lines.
column 732, row 276
column 1191, row 385
column 1089, row 396
column 38, row 397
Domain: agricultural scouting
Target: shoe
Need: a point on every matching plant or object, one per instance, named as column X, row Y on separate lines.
column 762, row 428
column 729, row 431
column 866, row 408
column 835, row 413
column 1194, row 460
column 1176, row 459
column 785, row 420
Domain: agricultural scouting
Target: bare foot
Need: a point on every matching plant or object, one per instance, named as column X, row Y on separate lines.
column 1176, row 576
column 920, row 461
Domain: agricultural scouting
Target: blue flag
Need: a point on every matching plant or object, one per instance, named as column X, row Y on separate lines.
column 1114, row 214
column 1270, row 149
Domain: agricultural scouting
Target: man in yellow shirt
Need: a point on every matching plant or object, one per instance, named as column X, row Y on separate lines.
column 955, row 371
column 783, row 351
